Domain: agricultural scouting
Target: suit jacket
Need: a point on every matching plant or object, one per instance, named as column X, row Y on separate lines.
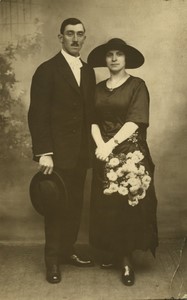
column 60, row 111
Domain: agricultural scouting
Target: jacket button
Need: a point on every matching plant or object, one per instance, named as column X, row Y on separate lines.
column 73, row 130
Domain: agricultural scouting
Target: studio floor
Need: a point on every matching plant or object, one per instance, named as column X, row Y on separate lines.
column 22, row 275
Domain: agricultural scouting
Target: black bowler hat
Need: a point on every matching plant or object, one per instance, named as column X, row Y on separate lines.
column 45, row 188
column 134, row 58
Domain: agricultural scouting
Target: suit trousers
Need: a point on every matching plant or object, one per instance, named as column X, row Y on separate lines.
column 62, row 225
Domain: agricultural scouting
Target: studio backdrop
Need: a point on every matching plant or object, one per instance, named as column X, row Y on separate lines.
column 29, row 30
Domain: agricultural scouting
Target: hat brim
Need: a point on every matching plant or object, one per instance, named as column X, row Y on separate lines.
column 97, row 57
column 41, row 185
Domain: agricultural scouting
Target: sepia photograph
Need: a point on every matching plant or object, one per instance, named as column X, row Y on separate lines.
column 93, row 159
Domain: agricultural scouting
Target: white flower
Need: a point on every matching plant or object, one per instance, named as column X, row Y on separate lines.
column 134, row 182
column 113, row 187
column 107, row 192
column 137, row 156
column 142, row 195
column 112, row 175
column 145, row 185
column 123, row 190
column 141, row 170
column 146, row 179
column 119, row 172
column 113, row 162
column 130, row 164
column 131, row 175
column 125, row 168
column 129, row 155
column 133, row 202
column 134, row 189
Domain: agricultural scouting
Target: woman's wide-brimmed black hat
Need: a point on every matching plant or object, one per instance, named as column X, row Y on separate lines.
column 134, row 58
column 46, row 188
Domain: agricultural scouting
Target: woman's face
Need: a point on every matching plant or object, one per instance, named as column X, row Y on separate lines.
column 115, row 60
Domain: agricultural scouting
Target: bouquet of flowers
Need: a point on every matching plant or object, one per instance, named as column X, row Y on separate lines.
column 125, row 174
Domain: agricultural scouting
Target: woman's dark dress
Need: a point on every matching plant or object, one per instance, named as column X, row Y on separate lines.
column 115, row 226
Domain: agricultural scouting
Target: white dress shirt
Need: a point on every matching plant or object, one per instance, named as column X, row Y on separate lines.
column 75, row 65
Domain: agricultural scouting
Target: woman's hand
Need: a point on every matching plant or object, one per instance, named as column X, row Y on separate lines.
column 46, row 164
column 104, row 150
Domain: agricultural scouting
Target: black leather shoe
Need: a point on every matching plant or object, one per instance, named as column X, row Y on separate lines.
column 76, row 261
column 53, row 274
column 128, row 276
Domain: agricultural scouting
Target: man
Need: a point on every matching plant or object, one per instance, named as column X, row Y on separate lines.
column 59, row 117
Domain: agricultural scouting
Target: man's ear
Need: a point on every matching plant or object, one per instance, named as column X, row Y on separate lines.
column 60, row 37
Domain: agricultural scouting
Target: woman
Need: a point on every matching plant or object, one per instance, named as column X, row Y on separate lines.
column 123, row 200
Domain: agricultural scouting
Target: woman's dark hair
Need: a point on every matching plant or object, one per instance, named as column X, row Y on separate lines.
column 70, row 21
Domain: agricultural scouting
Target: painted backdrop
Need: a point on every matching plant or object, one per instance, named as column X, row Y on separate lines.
column 29, row 30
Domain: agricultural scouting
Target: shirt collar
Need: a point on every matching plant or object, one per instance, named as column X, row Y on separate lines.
column 71, row 60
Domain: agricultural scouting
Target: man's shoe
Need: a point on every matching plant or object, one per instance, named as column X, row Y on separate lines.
column 76, row 261
column 128, row 276
column 53, row 274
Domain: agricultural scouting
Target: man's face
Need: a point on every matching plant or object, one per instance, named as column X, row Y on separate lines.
column 72, row 39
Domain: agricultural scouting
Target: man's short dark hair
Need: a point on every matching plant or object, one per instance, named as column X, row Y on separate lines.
column 70, row 21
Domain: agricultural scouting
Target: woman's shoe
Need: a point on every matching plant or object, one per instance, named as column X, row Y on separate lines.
column 127, row 276
column 107, row 261
column 53, row 274
column 106, row 265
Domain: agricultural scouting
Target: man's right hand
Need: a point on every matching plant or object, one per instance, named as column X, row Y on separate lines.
column 46, row 164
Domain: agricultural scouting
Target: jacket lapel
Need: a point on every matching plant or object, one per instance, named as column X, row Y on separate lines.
column 66, row 72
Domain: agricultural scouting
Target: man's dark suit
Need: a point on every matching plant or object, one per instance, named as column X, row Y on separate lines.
column 60, row 117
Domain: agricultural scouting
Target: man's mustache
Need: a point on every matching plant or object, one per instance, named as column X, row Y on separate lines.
column 75, row 43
